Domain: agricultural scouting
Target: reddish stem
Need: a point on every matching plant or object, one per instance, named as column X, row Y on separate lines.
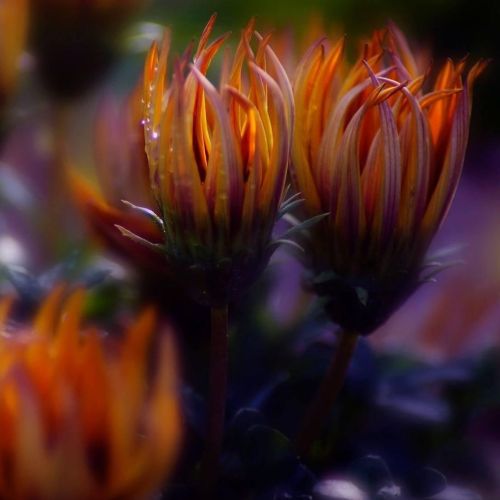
column 327, row 393
column 217, row 398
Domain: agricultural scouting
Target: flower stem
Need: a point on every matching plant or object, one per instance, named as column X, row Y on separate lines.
column 217, row 398
column 322, row 404
column 57, row 193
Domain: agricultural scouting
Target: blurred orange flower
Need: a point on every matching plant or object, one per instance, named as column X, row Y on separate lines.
column 123, row 173
column 13, row 28
column 217, row 160
column 381, row 152
column 82, row 416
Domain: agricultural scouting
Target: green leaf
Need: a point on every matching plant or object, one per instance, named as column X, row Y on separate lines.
column 150, row 214
column 157, row 247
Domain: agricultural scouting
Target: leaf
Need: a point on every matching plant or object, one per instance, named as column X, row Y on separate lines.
column 26, row 285
column 265, row 393
column 268, row 452
column 157, row 247
column 304, row 225
column 437, row 268
column 150, row 214
column 244, row 419
column 372, row 471
column 273, row 245
column 94, row 277
column 416, row 408
column 449, row 251
column 289, row 204
column 59, row 272
column 362, row 295
column 324, row 277
column 289, row 207
column 339, row 489
column 427, row 482
column 389, row 492
column 456, row 493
